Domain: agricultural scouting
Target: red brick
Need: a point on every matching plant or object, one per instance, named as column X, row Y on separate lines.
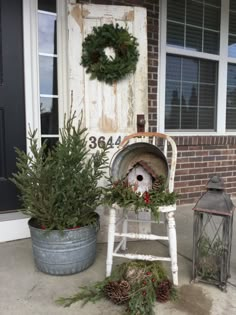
column 231, row 179
column 188, row 153
column 216, row 152
column 195, row 171
column 202, row 153
column 190, row 189
column 208, row 158
column 195, row 148
column 195, row 194
column 182, row 148
column 203, row 164
column 182, row 172
column 201, row 176
column 230, row 190
column 181, row 184
column 226, row 174
column 187, row 165
column 187, row 177
column 214, row 163
column 184, row 160
column 195, row 159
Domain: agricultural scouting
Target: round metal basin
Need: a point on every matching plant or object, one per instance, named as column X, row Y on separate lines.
column 125, row 159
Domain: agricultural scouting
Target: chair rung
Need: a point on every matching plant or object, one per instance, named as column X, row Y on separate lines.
column 142, row 257
column 150, row 237
column 167, row 208
column 145, row 221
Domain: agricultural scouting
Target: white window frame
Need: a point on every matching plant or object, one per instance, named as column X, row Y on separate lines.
column 31, row 65
column 222, row 60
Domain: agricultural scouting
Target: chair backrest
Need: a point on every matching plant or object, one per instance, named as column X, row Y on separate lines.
column 153, row 137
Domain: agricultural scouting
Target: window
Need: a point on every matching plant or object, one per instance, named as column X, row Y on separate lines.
column 48, row 82
column 199, row 52
column 45, row 67
column 190, row 93
column 231, row 79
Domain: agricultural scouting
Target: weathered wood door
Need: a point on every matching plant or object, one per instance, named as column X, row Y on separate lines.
column 109, row 112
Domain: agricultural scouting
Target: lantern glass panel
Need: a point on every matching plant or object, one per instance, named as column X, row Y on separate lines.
column 212, row 234
column 210, row 247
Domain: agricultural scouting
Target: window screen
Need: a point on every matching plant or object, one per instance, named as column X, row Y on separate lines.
column 194, row 25
column 191, row 89
column 48, row 58
column 231, row 97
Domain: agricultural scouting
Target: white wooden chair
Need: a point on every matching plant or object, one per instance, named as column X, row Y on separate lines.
column 167, row 211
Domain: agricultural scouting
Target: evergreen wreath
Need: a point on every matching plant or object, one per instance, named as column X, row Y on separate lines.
column 108, row 68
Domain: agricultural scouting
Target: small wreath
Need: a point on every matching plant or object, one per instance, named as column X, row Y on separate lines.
column 109, row 53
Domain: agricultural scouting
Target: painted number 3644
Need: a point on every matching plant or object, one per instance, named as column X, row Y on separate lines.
column 100, row 142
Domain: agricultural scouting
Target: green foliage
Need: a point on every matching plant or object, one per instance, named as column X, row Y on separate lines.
column 210, row 247
column 143, row 278
column 124, row 195
column 98, row 64
column 210, row 255
column 60, row 188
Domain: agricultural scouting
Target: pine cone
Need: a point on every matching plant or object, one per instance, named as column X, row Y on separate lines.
column 158, row 183
column 117, row 291
column 163, row 291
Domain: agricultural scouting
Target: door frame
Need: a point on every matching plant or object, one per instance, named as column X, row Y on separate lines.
column 14, row 225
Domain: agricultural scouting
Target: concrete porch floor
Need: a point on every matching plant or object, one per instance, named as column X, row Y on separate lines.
column 26, row 291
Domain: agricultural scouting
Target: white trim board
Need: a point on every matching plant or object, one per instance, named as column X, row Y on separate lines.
column 13, row 226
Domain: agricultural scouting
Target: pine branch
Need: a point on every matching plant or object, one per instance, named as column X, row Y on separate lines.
column 124, row 195
column 141, row 280
column 60, row 189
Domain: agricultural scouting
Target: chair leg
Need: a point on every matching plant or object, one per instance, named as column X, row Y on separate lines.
column 173, row 246
column 124, row 230
column 110, row 241
column 167, row 228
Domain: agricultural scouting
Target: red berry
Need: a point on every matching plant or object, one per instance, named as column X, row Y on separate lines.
column 144, row 293
column 153, row 279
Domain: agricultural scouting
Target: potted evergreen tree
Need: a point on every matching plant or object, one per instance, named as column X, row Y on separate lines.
column 59, row 190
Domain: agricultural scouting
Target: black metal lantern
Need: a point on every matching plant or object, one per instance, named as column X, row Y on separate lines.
column 212, row 235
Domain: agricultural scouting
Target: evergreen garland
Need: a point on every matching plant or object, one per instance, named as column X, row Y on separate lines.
column 98, row 64
column 125, row 196
column 136, row 284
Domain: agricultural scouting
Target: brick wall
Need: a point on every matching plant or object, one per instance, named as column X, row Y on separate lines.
column 199, row 157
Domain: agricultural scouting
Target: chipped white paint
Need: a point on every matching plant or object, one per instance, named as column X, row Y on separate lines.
column 167, row 211
column 150, row 237
column 140, row 179
column 107, row 110
column 142, row 257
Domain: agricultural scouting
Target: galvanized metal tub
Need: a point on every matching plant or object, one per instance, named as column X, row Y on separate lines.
column 63, row 252
column 124, row 159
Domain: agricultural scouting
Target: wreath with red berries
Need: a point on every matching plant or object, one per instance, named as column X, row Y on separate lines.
column 109, row 53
